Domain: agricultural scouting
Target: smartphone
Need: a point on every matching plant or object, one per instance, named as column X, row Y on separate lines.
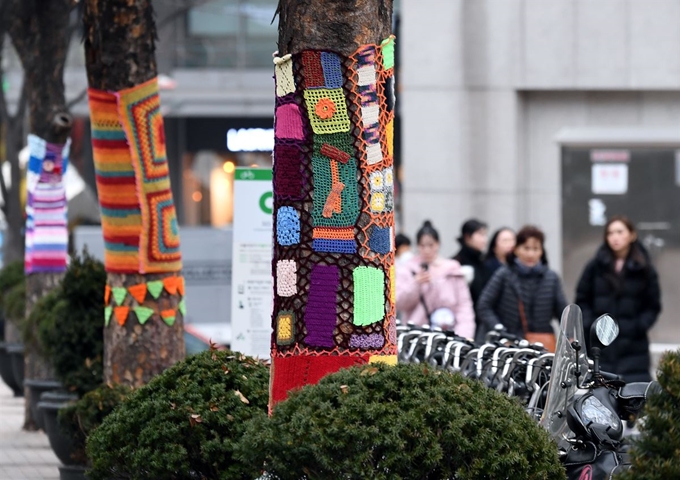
column 424, row 266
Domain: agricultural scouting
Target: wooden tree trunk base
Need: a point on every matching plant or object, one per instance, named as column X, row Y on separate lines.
column 135, row 353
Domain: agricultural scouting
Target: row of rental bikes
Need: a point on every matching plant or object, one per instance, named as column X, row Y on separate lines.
column 582, row 407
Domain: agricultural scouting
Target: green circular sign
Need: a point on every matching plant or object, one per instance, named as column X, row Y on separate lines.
column 266, row 201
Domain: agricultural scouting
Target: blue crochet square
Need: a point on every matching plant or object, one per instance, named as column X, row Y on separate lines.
column 287, row 226
column 332, row 72
column 380, row 240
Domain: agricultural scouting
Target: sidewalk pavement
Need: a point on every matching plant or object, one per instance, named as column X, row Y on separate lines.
column 23, row 455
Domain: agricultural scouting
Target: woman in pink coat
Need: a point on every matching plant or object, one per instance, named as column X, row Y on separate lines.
column 432, row 290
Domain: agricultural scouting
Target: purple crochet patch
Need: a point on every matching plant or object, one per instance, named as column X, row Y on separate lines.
column 320, row 314
column 332, row 72
column 374, row 340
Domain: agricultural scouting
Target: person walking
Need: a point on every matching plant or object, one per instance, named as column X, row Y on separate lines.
column 621, row 281
column 431, row 290
column 501, row 245
column 403, row 251
column 524, row 295
column 473, row 238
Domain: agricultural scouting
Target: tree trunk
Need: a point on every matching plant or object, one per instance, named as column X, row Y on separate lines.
column 333, row 254
column 120, row 54
column 40, row 36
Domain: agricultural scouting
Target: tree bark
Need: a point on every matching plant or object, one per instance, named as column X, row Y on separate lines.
column 120, row 53
column 40, row 35
column 320, row 132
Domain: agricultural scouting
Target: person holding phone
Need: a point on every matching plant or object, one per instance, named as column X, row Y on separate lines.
column 432, row 290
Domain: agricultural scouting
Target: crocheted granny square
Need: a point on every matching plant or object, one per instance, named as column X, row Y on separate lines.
column 369, row 295
column 388, row 53
column 365, row 342
column 287, row 174
column 286, row 278
column 332, row 71
column 287, row 226
column 388, row 176
column 377, row 181
column 121, row 214
column 288, row 122
column 377, row 202
column 380, row 240
column 283, row 73
column 139, row 110
column 285, row 328
column 327, row 110
column 320, row 313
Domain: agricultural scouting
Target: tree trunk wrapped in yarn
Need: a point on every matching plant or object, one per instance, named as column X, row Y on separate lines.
column 333, row 190
column 144, row 315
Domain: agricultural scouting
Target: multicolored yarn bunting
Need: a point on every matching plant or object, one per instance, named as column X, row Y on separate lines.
column 182, row 307
column 138, row 292
column 169, row 316
column 46, row 207
column 139, row 222
column 334, row 222
column 173, row 285
column 155, row 288
column 108, row 311
column 121, row 314
column 119, row 294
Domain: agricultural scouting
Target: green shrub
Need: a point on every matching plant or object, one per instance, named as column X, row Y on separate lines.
column 43, row 309
column 70, row 324
column 184, row 423
column 14, row 303
column 80, row 418
column 656, row 454
column 403, row 422
column 11, row 275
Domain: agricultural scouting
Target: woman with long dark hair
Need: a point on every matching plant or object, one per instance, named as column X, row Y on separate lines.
column 621, row 281
column 524, row 295
column 431, row 290
column 501, row 245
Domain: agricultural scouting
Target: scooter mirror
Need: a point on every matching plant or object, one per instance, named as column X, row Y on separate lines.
column 604, row 331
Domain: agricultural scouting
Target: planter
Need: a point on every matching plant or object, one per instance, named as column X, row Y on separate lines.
column 37, row 388
column 72, row 472
column 16, row 353
column 62, row 444
column 6, row 372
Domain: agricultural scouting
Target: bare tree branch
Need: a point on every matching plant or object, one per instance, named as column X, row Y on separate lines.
column 77, row 99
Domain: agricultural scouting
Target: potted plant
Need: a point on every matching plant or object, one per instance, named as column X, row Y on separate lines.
column 185, row 423
column 14, row 302
column 10, row 276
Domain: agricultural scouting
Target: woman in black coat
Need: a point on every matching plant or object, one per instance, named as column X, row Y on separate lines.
column 622, row 282
column 526, row 279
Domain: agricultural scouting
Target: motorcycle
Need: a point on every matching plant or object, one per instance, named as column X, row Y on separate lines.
column 585, row 406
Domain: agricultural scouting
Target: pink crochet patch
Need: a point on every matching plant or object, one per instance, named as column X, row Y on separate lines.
column 289, row 122
column 286, row 278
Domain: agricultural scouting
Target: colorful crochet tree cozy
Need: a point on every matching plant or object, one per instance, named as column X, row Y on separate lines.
column 46, row 207
column 333, row 207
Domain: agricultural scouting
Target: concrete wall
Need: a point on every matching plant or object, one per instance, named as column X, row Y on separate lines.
column 486, row 85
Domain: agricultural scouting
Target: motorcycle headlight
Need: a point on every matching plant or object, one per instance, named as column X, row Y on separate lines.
column 594, row 411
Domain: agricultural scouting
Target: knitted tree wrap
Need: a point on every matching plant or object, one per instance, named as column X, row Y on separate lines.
column 329, row 162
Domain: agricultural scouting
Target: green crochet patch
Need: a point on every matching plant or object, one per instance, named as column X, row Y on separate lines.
column 369, row 295
column 388, row 53
column 327, row 110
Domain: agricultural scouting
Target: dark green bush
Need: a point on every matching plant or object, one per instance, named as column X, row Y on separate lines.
column 70, row 324
column 11, row 275
column 184, row 423
column 80, row 418
column 14, row 303
column 403, row 422
column 43, row 309
column 656, row 454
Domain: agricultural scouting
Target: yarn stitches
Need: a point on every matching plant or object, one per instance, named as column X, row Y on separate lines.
column 46, row 207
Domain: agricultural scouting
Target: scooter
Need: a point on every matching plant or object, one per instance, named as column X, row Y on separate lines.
column 585, row 406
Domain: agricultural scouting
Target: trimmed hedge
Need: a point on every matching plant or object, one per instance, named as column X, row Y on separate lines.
column 402, row 422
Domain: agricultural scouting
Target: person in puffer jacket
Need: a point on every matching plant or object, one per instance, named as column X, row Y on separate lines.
column 432, row 290
column 621, row 281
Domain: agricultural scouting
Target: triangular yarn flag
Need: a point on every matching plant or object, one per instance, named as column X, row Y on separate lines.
column 155, row 288
column 170, row 284
column 143, row 314
column 107, row 295
column 169, row 316
column 108, row 311
column 121, row 314
column 182, row 307
column 180, row 286
column 119, row 294
column 138, row 292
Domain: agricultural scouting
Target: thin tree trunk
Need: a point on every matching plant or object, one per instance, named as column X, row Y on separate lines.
column 39, row 34
column 333, row 270
column 120, row 54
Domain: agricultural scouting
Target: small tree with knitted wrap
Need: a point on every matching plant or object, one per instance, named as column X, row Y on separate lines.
column 656, row 455
column 144, row 296
column 333, row 190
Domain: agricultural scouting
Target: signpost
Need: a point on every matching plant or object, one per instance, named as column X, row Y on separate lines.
column 252, row 285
